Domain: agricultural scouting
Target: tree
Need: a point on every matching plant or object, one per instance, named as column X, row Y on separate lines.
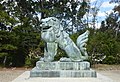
column 19, row 39
column 112, row 21
column 8, row 47
column 114, row 1
column 70, row 12
column 111, row 29
column 93, row 11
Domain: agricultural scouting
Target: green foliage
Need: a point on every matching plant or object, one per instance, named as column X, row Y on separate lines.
column 41, row 44
column 103, row 44
column 26, row 11
column 74, row 36
column 60, row 53
column 16, row 45
column 31, row 62
column 8, row 47
column 28, row 62
column 3, row 54
column 33, row 57
column 110, row 60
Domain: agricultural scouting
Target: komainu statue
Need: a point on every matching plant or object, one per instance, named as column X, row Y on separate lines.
column 54, row 35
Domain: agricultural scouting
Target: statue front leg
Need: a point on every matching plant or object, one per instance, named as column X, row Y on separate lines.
column 50, row 51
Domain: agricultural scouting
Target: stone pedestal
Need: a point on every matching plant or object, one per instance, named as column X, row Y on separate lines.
column 62, row 69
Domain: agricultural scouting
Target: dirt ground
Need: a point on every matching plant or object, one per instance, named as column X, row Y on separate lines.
column 111, row 71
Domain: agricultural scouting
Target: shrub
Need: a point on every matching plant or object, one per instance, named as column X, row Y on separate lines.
column 109, row 60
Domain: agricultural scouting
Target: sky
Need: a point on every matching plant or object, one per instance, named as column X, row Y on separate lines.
column 104, row 8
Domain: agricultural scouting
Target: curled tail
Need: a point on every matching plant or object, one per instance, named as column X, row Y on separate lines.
column 81, row 42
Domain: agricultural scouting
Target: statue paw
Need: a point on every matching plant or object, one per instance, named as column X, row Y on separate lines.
column 64, row 59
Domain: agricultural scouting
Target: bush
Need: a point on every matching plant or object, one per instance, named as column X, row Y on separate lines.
column 31, row 62
column 60, row 53
column 109, row 60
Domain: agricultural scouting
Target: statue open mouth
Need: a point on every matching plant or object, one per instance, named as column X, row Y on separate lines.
column 46, row 28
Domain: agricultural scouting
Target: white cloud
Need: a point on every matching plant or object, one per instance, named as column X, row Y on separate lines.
column 97, row 25
column 108, row 12
column 107, row 4
column 101, row 14
column 92, row 1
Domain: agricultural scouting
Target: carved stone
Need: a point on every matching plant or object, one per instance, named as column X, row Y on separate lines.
column 62, row 69
column 40, row 65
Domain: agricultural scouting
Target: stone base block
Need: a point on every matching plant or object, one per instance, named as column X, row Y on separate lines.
column 62, row 69
column 62, row 73
column 63, row 65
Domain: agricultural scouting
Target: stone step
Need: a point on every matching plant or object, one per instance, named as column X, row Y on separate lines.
column 62, row 73
column 25, row 78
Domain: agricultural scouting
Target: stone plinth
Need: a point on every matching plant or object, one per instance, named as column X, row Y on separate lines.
column 62, row 65
column 62, row 73
column 62, row 69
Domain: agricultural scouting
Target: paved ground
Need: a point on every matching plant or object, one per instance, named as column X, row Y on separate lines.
column 7, row 75
column 113, row 72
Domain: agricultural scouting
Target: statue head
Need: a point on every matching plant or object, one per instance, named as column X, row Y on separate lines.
column 48, row 23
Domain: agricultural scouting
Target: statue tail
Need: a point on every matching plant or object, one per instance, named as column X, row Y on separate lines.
column 81, row 42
